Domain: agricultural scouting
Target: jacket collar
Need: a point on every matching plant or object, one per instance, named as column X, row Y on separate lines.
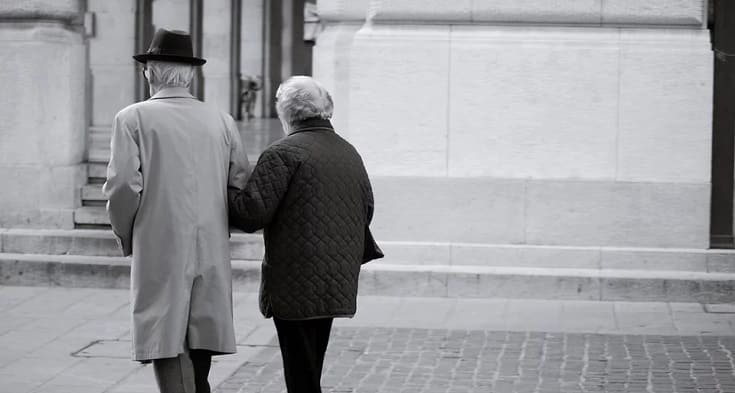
column 312, row 124
column 172, row 92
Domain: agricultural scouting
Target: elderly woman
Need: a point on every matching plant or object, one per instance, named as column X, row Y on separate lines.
column 312, row 196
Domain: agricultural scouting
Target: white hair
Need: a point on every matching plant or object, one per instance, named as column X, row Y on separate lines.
column 302, row 97
column 169, row 74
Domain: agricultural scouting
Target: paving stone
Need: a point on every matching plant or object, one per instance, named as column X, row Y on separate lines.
column 725, row 308
column 13, row 296
column 395, row 344
column 376, row 359
column 49, row 302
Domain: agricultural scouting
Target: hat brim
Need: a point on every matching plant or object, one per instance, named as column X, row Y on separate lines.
column 145, row 57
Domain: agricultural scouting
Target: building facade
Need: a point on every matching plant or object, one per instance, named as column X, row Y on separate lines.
column 493, row 130
column 575, row 123
column 67, row 69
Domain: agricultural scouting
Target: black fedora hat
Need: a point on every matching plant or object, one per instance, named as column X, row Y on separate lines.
column 170, row 45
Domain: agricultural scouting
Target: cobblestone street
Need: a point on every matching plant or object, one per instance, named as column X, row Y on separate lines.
column 419, row 360
column 60, row 340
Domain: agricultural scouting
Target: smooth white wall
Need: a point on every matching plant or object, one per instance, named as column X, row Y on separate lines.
column 480, row 125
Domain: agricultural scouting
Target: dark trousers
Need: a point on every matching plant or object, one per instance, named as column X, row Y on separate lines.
column 186, row 373
column 303, row 346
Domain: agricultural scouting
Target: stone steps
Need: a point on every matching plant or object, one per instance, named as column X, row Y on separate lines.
column 91, row 216
column 92, row 213
column 82, row 271
column 93, row 192
column 256, row 136
column 95, row 242
column 97, row 171
column 90, row 257
column 410, row 280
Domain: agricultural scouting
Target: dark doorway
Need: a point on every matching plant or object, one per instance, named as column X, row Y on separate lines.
column 143, row 36
column 722, row 25
column 286, row 52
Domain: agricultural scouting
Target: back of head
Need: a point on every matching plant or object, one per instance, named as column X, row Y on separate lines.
column 169, row 74
column 302, row 97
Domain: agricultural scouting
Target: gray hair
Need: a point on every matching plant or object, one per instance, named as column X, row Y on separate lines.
column 301, row 98
column 168, row 74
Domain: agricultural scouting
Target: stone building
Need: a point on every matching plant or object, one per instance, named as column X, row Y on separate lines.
column 509, row 141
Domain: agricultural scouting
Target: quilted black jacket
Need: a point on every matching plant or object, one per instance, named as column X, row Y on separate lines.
column 311, row 195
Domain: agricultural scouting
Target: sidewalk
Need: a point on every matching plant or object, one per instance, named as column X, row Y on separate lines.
column 77, row 340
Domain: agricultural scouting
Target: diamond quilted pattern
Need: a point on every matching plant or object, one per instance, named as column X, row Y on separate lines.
column 312, row 196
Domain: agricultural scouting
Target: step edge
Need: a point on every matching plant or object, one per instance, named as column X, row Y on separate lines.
column 237, row 235
column 65, row 259
column 554, row 272
column 100, row 233
column 475, row 270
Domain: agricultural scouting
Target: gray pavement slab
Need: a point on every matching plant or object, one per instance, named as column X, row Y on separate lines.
column 66, row 339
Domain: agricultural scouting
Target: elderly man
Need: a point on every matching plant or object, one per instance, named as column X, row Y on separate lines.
column 312, row 196
column 172, row 159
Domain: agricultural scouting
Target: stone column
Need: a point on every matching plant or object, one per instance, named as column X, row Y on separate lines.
column 341, row 20
column 112, row 70
column 42, row 135
column 572, row 123
column 216, row 49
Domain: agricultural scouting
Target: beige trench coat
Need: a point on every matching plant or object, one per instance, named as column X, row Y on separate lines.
column 172, row 158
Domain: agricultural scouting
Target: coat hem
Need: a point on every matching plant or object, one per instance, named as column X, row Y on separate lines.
column 311, row 318
column 147, row 357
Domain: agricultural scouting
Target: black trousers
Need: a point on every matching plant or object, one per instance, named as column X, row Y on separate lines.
column 303, row 346
column 186, row 373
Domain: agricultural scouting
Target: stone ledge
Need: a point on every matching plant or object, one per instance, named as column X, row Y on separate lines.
column 343, row 10
column 533, row 283
column 561, row 12
column 654, row 12
column 556, row 272
column 65, row 10
column 411, row 280
column 425, row 255
column 633, row 259
column 99, row 243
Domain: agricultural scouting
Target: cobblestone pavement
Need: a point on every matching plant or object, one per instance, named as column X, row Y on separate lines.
column 61, row 340
column 409, row 360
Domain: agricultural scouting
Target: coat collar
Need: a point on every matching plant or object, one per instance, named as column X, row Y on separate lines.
column 172, row 92
column 312, row 124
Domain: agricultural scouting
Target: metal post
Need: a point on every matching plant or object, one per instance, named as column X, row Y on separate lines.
column 143, row 36
column 195, row 29
column 235, row 34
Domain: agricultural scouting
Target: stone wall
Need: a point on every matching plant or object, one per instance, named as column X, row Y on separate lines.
column 42, row 135
column 341, row 20
column 111, row 70
column 581, row 123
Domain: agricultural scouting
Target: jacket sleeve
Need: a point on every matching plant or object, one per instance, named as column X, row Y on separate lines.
column 253, row 207
column 369, row 202
column 124, row 182
column 238, row 172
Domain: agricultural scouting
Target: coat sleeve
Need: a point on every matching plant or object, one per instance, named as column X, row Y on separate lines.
column 369, row 202
column 238, row 172
column 124, row 182
column 253, row 207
